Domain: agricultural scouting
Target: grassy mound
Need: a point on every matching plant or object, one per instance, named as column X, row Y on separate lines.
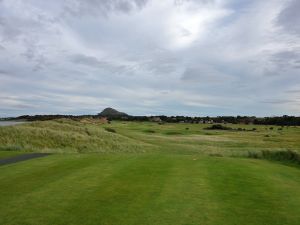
column 66, row 136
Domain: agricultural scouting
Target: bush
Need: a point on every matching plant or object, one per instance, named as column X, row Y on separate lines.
column 110, row 130
column 218, row 127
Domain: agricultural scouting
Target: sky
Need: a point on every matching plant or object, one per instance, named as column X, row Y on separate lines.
column 150, row 57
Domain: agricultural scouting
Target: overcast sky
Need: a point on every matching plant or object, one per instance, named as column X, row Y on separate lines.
column 143, row 57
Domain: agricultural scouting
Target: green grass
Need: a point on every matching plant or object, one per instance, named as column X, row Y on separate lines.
column 7, row 154
column 148, row 189
column 146, row 173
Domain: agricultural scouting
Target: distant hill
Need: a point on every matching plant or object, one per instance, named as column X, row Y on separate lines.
column 110, row 112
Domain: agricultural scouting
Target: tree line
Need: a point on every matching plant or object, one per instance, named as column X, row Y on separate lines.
column 278, row 120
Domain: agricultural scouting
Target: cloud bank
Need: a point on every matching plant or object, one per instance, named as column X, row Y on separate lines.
column 191, row 57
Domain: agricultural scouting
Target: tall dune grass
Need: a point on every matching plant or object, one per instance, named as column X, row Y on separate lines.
column 287, row 156
column 66, row 136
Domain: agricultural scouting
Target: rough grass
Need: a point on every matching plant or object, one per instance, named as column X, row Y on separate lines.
column 175, row 138
column 282, row 156
column 66, row 136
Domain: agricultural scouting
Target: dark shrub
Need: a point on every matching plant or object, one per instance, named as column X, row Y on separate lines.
column 216, row 155
column 254, row 129
column 110, row 129
column 173, row 133
column 218, row 127
column 271, row 128
column 187, row 128
column 149, row 131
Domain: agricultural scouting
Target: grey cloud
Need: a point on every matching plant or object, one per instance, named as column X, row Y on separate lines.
column 40, row 63
column 184, row 32
column 159, row 62
column 284, row 60
column 287, row 55
column 87, row 60
column 181, row 2
column 293, row 91
column 12, row 27
column 8, row 30
column 14, row 102
column 289, row 17
column 26, row 32
column 36, row 54
column 94, row 62
column 205, row 74
column 103, row 7
column 3, row 71
column 278, row 101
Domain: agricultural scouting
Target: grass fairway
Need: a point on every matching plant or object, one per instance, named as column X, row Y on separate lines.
column 149, row 189
column 178, row 180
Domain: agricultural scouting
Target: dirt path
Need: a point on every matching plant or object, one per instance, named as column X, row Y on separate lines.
column 20, row 158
